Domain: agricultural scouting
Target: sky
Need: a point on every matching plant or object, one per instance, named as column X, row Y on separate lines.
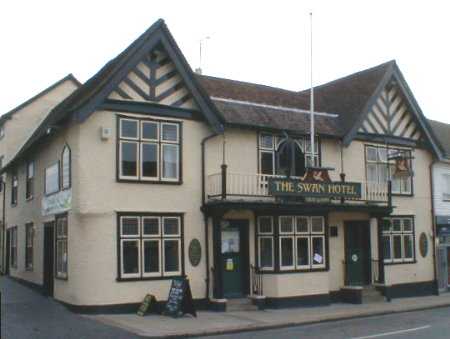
column 265, row 42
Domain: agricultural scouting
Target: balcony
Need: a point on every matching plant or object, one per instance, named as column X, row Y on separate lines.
column 255, row 187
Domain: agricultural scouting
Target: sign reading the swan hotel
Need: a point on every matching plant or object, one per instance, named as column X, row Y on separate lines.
column 297, row 187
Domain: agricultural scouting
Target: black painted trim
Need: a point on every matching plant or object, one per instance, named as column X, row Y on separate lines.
column 416, row 289
column 299, row 301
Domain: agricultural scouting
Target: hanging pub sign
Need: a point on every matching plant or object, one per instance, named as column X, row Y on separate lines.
column 315, row 183
column 402, row 164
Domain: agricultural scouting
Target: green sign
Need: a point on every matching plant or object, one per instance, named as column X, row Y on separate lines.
column 295, row 187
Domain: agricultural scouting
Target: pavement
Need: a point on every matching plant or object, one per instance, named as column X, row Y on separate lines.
column 215, row 323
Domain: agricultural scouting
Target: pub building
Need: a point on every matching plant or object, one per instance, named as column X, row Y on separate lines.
column 150, row 172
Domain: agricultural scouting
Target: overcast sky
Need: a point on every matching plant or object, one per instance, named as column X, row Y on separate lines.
column 258, row 41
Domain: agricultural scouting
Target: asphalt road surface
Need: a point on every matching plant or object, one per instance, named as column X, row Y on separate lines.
column 428, row 324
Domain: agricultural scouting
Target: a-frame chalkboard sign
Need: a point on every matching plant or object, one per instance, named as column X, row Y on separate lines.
column 148, row 304
column 179, row 301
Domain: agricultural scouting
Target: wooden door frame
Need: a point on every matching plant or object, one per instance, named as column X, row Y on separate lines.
column 366, row 225
column 49, row 258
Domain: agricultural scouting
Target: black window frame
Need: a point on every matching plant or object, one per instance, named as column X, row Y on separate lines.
column 140, row 276
column 29, row 256
column 391, row 233
column 276, row 243
column 61, row 174
column 140, row 141
column 14, row 188
column 13, row 247
column 29, row 180
column 62, row 239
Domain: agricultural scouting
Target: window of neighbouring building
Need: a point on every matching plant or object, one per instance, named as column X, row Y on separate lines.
column 275, row 157
column 52, row 179
column 13, row 251
column 398, row 240
column 300, row 241
column 150, row 245
column 446, row 187
column 61, row 246
column 380, row 169
column 66, row 170
column 14, row 188
column 30, row 172
column 149, row 150
column 29, row 240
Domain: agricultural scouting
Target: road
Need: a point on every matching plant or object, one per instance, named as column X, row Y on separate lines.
column 26, row 314
column 430, row 324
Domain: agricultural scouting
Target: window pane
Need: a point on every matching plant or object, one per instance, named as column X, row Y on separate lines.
column 150, row 226
column 52, row 179
column 317, row 247
column 169, row 132
column 266, row 252
column 151, row 256
column 406, row 185
column 30, row 170
column 396, row 185
column 372, row 154
column 287, row 252
column 266, row 141
column 171, row 256
column 170, row 161
column 302, row 252
column 397, row 246
column 129, row 159
column 149, row 160
column 265, row 225
column 386, row 225
column 317, row 225
column 129, row 128
column 149, row 130
column 267, row 163
column 396, row 225
column 171, row 226
column 408, row 243
column 302, row 225
column 66, row 168
column 286, row 225
column 387, row 247
column 372, row 175
column 382, row 154
column 383, row 173
column 130, row 256
column 407, row 225
column 130, row 226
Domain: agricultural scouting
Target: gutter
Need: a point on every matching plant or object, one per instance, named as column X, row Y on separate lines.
column 205, row 216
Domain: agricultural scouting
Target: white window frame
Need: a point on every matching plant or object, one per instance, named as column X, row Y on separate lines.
column 308, row 238
column 141, row 162
column 324, row 256
column 151, row 274
column 65, row 239
column 266, row 268
column 446, row 191
column 29, row 243
column 177, row 127
column 137, row 128
column 390, row 234
column 293, row 224
column 271, row 225
column 290, row 267
column 171, row 273
column 177, row 171
column 159, row 226
column 122, row 263
column 129, row 177
column 143, row 122
column 66, row 151
column 122, row 235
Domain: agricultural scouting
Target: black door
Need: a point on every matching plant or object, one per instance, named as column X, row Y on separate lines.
column 49, row 266
column 8, row 251
column 235, row 258
column 357, row 253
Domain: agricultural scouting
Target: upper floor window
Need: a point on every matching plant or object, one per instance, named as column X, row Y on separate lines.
column 66, row 170
column 52, row 179
column 2, row 132
column 14, row 188
column 276, row 156
column 29, row 191
column 446, row 187
column 149, row 150
column 380, row 168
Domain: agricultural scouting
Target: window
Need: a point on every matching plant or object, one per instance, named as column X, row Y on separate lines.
column 275, row 157
column 149, row 150
column 29, row 239
column 61, row 247
column 13, row 251
column 52, row 179
column 29, row 191
column 2, row 132
column 446, row 187
column 150, row 246
column 380, row 169
column 300, row 241
column 398, row 240
column 66, row 170
column 14, row 188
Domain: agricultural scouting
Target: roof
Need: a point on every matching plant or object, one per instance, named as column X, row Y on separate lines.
column 6, row 116
column 442, row 132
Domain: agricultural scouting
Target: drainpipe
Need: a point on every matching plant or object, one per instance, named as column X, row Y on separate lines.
column 4, row 263
column 205, row 216
column 433, row 224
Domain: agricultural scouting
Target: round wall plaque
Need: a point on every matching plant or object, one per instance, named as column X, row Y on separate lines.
column 195, row 252
column 423, row 244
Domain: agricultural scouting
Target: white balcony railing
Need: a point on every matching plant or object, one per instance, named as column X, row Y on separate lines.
column 256, row 185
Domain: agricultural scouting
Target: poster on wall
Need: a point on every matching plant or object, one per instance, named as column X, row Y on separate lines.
column 57, row 203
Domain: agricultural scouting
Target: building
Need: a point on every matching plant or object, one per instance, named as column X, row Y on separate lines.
column 149, row 172
column 441, row 203
column 18, row 124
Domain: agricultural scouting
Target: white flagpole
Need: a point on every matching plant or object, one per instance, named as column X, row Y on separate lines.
column 312, row 93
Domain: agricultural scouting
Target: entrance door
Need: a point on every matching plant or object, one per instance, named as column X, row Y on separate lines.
column 357, row 253
column 235, row 258
column 49, row 233
column 8, row 251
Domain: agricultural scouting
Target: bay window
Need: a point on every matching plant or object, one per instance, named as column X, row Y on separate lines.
column 398, row 240
column 150, row 246
column 149, row 150
column 380, row 168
